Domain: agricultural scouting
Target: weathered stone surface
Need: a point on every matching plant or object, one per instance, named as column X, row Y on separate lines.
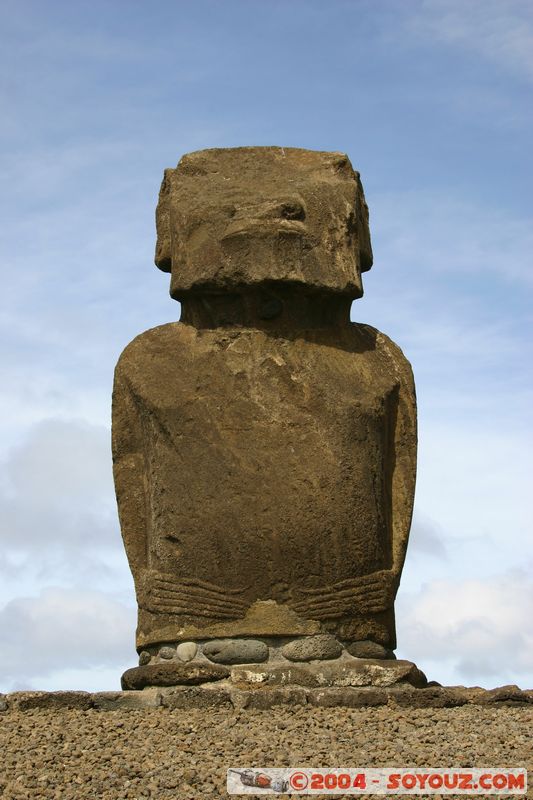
column 271, row 675
column 262, row 618
column 172, row 673
column 510, row 695
column 339, row 673
column 236, row 651
column 127, row 701
column 167, row 652
column 426, row 697
column 264, row 447
column 144, row 658
column 269, row 697
column 186, row 651
column 24, row 701
column 347, row 696
column 265, row 695
column 369, row 649
column 470, row 694
column 323, row 646
column 192, row 697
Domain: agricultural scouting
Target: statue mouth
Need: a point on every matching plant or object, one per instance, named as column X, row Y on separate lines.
column 262, row 227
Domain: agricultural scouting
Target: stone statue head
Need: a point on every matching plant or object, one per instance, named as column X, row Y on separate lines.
column 253, row 216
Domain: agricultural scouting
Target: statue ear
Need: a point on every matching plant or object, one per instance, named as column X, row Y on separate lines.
column 163, row 253
column 366, row 258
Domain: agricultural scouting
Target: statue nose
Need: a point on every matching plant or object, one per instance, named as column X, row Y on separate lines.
column 290, row 208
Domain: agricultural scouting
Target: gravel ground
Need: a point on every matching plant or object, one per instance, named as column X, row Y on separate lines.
column 163, row 753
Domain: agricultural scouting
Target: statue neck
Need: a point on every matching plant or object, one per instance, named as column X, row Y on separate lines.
column 279, row 308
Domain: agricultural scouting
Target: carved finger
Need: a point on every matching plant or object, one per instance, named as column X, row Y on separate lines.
column 347, row 583
column 200, row 612
column 194, row 601
column 196, row 594
column 339, row 597
column 334, row 609
column 210, row 588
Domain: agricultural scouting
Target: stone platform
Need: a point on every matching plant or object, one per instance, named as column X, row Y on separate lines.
column 341, row 672
column 313, row 670
column 310, row 661
column 226, row 696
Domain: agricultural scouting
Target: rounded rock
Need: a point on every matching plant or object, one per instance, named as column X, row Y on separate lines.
column 369, row 649
column 167, row 652
column 172, row 673
column 311, row 648
column 144, row 658
column 236, row 651
column 186, row 651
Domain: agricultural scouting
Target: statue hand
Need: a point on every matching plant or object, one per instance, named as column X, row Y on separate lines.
column 367, row 594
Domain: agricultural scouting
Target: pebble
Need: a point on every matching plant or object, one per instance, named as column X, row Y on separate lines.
column 309, row 648
column 186, row 651
column 144, row 658
column 167, row 652
column 184, row 753
column 236, row 651
column 369, row 649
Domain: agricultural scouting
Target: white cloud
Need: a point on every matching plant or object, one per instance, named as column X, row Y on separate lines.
column 64, row 629
column 59, row 517
column 64, row 462
column 480, row 628
column 501, row 32
column 57, row 488
column 60, row 526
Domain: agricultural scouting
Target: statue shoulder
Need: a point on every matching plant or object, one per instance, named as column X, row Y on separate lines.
column 152, row 345
column 386, row 349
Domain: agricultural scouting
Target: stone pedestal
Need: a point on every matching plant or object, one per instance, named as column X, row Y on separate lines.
column 312, row 662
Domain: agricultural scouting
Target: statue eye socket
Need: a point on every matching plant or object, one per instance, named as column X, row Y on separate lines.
column 292, row 211
column 270, row 308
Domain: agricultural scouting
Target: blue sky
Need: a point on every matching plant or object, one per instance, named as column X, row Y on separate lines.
column 431, row 99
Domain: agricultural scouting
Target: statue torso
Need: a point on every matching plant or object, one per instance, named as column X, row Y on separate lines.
column 265, row 450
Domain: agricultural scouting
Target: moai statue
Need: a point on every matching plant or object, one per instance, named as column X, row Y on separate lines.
column 265, row 445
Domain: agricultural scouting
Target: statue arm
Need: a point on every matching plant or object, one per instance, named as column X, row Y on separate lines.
column 382, row 586
column 402, row 458
column 376, row 591
column 128, row 472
